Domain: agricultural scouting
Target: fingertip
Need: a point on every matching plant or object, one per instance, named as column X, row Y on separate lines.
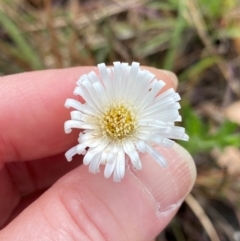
column 167, row 186
column 168, row 77
column 91, row 206
column 172, row 77
column 185, row 156
column 145, row 201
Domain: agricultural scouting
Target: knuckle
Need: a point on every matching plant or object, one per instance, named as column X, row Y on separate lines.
column 90, row 215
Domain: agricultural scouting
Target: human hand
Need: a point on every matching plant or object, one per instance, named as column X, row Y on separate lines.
column 80, row 205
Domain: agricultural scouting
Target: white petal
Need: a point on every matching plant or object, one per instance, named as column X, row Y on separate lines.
column 168, row 116
column 158, row 139
column 93, row 77
column 131, row 80
column 124, row 77
column 102, row 144
column 93, row 151
column 86, row 136
column 109, row 169
column 77, row 115
column 104, row 157
column 74, row 104
column 120, row 164
column 146, row 100
column 157, row 156
column 176, row 97
column 117, row 79
column 149, row 123
column 97, row 93
column 185, row 137
column 155, row 87
column 81, row 149
column 95, row 163
column 116, row 178
column 179, row 118
column 120, row 77
column 110, row 157
column 143, row 135
column 139, row 87
column 143, row 87
column 141, row 146
column 78, row 106
column 175, row 106
column 89, row 156
column 70, row 153
column 176, row 132
column 68, row 125
column 159, row 106
column 107, row 82
column 172, row 135
column 167, row 94
column 167, row 143
column 84, row 93
column 97, row 142
column 100, row 92
column 130, row 150
column 148, row 78
column 82, row 79
column 161, row 140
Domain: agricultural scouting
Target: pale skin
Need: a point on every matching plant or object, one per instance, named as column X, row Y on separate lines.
column 80, row 205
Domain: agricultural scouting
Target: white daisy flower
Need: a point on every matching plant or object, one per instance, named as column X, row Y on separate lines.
column 123, row 114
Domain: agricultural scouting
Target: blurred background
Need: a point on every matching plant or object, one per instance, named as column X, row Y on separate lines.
column 197, row 39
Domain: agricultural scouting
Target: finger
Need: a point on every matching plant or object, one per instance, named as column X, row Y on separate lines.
column 39, row 174
column 167, row 76
column 9, row 196
column 20, row 179
column 32, row 112
column 25, row 178
column 83, row 206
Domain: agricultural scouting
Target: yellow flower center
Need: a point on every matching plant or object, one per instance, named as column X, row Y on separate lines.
column 119, row 121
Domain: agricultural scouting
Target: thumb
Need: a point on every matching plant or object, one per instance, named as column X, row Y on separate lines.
column 83, row 206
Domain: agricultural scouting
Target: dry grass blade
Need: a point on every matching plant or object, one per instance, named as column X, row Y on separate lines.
column 53, row 39
column 28, row 53
column 201, row 28
column 15, row 55
column 175, row 39
column 203, row 218
column 84, row 19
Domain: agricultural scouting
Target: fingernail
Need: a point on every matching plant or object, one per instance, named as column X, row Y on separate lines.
column 172, row 76
column 168, row 186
